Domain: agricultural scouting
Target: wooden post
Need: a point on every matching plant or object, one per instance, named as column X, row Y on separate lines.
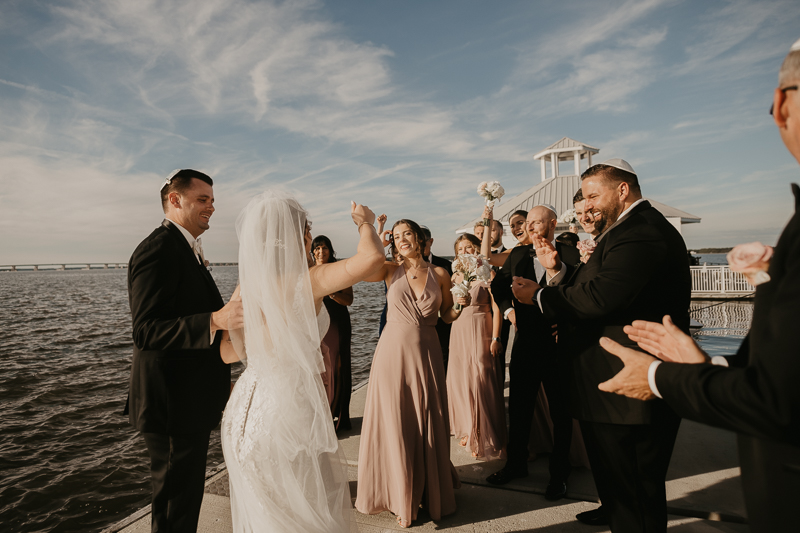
column 554, row 163
column 544, row 169
column 576, row 156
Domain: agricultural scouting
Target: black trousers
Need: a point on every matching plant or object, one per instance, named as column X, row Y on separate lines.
column 629, row 465
column 770, row 482
column 505, row 331
column 528, row 369
column 178, row 472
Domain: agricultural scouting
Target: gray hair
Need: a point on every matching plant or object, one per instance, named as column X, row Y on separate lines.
column 790, row 69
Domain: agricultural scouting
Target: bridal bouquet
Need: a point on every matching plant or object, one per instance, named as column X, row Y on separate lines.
column 471, row 267
column 491, row 191
column 752, row 260
column 586, row 247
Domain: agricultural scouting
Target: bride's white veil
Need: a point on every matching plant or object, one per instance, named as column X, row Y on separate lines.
column 294, row 467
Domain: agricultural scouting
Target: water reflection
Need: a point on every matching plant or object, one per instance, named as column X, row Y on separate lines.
column 725, row 324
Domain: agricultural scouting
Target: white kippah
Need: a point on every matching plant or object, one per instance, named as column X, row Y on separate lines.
column 796, row 46
column 169, row 178
column 620, row 164
column 548, row 206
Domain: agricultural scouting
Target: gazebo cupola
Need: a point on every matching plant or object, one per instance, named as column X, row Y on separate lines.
column 564, row 150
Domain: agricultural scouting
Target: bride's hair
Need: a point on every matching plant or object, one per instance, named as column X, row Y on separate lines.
column 417, row 231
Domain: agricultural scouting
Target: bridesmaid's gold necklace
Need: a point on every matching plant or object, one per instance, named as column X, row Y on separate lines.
column 416, row 268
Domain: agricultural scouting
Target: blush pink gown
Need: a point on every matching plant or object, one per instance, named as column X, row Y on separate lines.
column 477, row 408
column 404, row 457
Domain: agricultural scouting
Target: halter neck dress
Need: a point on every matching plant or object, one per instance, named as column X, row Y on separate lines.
column 404, row 457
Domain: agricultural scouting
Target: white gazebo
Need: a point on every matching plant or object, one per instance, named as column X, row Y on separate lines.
column 558, row 186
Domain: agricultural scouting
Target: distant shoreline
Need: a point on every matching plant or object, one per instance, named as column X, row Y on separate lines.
column 711, row 250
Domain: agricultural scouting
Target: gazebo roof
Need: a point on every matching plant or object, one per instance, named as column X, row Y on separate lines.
column 565, row 148
column 558, row 192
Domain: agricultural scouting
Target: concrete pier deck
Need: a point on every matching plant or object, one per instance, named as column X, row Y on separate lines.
column 703, row 490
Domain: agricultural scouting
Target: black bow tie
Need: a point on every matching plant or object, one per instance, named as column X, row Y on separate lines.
column 533, row 252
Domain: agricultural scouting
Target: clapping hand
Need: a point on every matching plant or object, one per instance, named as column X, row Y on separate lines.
column 546, row 252
column 665, row 341
column 524, row 289
column 631, row 381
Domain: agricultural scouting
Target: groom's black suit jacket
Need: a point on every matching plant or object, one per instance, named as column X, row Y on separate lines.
column 179, row 383
column 638, row 271
column 532, row 326
column 760, row 400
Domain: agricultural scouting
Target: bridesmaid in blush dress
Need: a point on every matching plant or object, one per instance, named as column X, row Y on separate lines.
column 477, row 408
column 404, row 457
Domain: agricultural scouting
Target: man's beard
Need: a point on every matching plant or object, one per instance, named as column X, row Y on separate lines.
column 609, row 216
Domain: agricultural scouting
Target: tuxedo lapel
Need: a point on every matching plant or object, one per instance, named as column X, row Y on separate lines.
column 191, row 258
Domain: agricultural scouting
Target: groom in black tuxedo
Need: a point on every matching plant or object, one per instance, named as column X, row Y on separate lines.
column 179, row 384
column 533, row 360
column 639, row 270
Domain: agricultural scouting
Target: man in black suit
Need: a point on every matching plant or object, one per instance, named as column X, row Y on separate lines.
column 758, row 395
column 639, row 270
column 179, row 384
column 442, row 328
column 533, row 360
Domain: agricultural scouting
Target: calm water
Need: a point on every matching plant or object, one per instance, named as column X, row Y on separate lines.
column 69, row 459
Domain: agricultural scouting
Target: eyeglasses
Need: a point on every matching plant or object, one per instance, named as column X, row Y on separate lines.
column 790, row 88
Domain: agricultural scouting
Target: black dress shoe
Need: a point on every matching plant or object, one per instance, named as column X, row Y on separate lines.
column 504, row 475
column 555, row 490
column 595, row 517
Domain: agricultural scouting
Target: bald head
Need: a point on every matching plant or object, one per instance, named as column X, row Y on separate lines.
column 541, row 221
column 790, row 69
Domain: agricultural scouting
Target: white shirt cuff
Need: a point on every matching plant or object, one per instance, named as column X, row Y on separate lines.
column 508, row 311
column 555, row 280
column 719, row 360
column 651, row 377
column 539, row 299
column 213, row 332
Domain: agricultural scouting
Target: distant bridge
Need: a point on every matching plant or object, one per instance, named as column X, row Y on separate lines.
column 30, row 267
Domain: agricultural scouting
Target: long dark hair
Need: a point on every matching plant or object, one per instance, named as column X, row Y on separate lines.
column 320, row 240
column 417, row 231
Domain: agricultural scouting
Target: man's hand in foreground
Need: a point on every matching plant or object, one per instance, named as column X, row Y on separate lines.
column 631, row 381
column 523, row 289
column 666, row 341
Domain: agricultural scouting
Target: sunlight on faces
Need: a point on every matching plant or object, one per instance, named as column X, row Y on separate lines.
column 322, row 254
column 405, row 240
column 587, row 219
column 193, row 208
column 517, row 225
column 464, row 246
column 604, row 197
column 541, row 221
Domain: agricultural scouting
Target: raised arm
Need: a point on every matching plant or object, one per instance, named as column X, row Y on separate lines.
column 332, row 277
column 486, row 236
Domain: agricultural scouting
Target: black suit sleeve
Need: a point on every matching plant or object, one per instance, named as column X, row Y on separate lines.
column 501, row 284
column 154, row 279
column 761, row 399
column 629, row 262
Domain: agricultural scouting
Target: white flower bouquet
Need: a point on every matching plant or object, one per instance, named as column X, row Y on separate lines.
column 568, row 217
column 471, row 267
column 491, row 191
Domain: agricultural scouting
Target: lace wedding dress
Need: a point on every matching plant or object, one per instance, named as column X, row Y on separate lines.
column 286, row 471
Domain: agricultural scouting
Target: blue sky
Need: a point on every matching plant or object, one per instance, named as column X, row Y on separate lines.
column 405, row 106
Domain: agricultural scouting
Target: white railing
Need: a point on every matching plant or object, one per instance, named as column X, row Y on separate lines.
column 718, row 279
